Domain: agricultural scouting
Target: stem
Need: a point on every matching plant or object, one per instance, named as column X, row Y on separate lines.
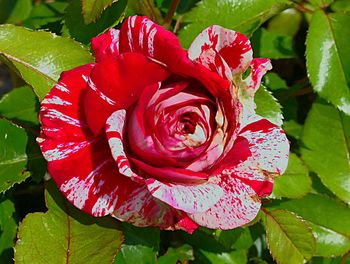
column 171, row 12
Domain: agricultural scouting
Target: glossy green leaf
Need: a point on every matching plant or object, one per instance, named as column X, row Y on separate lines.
column 20, row 104
column 326, row 141
column 295, row 182
column 286, row 23
column 14, row 11
column 180, row 254
column 233, row 257
column 66, row 235
column 271, row 45
column 243, row 16
column 13, row 157
column 328, row 57
column 141, row 245
column 289, row 238
column 329, row 219
column 40, row 57
column 267, row 106
column 83, row 32
column 8, row 230
column 92, row 9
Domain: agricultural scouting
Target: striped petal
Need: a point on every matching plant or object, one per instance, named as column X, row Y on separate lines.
column 116, row 83
column 141, row 209
column 222, row 50
column 115, row 126
column 106, row 45
column 238, row 206
column 269, row 149
column 259, row 66
column 188, row 198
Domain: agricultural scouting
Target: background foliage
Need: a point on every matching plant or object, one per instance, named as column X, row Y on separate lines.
column 306, row 219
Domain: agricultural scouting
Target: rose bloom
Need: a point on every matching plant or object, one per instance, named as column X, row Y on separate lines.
column 156, row 135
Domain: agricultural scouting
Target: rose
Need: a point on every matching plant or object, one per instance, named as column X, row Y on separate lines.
column 159, row 136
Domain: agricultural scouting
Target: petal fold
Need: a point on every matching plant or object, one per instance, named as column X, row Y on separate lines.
column 106, row 45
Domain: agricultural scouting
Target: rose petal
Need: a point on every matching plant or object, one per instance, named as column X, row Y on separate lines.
column 141, row 209
column 115, row 126
column 117, row 84
column 215, row 47
column 239, row 205
column 60, row 113
column 259, row 67
column 171, row 174
column 188, row 198
column 269, row 149
column 106, row 45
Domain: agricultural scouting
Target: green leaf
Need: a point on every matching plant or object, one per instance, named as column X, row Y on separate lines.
column 92, row 9
column 295, row 182
column 147, row 8
column 45, row 13
column 286, row 23
column 82, row 32
column 341, row 6
column 233, row 257
column 329, row 219
column 274, row 82
column 243, row 16
column 40, row 57
column 325, row 149
column 328, row 57
column 13, row 157
column 292, row 128
column 141, row 245
column 14, row 11
column 66, row 235
column 8, row 229
column 272, row 45
column 20, row 104
column 321, row 3
column 267, row 106
column 181, row 254
column 289, row 238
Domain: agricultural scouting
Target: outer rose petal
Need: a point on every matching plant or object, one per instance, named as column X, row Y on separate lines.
column 116, row 83
column 106, row 45
column 142, row 209
column 239, row 205
column 188, row 198
column 259, row 67
column 87, row 177
column 115, row 127
column 269, row 149
column 217, row 47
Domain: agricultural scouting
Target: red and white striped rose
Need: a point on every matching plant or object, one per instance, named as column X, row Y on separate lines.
column 159, row 136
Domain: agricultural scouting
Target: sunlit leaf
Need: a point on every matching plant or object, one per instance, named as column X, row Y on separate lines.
column 325, row 149
column 289, row 239
column 329, row 219
column 267, row 106
column 66, row 235
column 92, row 9
column 295, row 182
column 328, row 57
column 180, row 254
column 40, row 57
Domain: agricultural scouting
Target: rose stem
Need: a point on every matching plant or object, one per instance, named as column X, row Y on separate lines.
column 171, row 12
